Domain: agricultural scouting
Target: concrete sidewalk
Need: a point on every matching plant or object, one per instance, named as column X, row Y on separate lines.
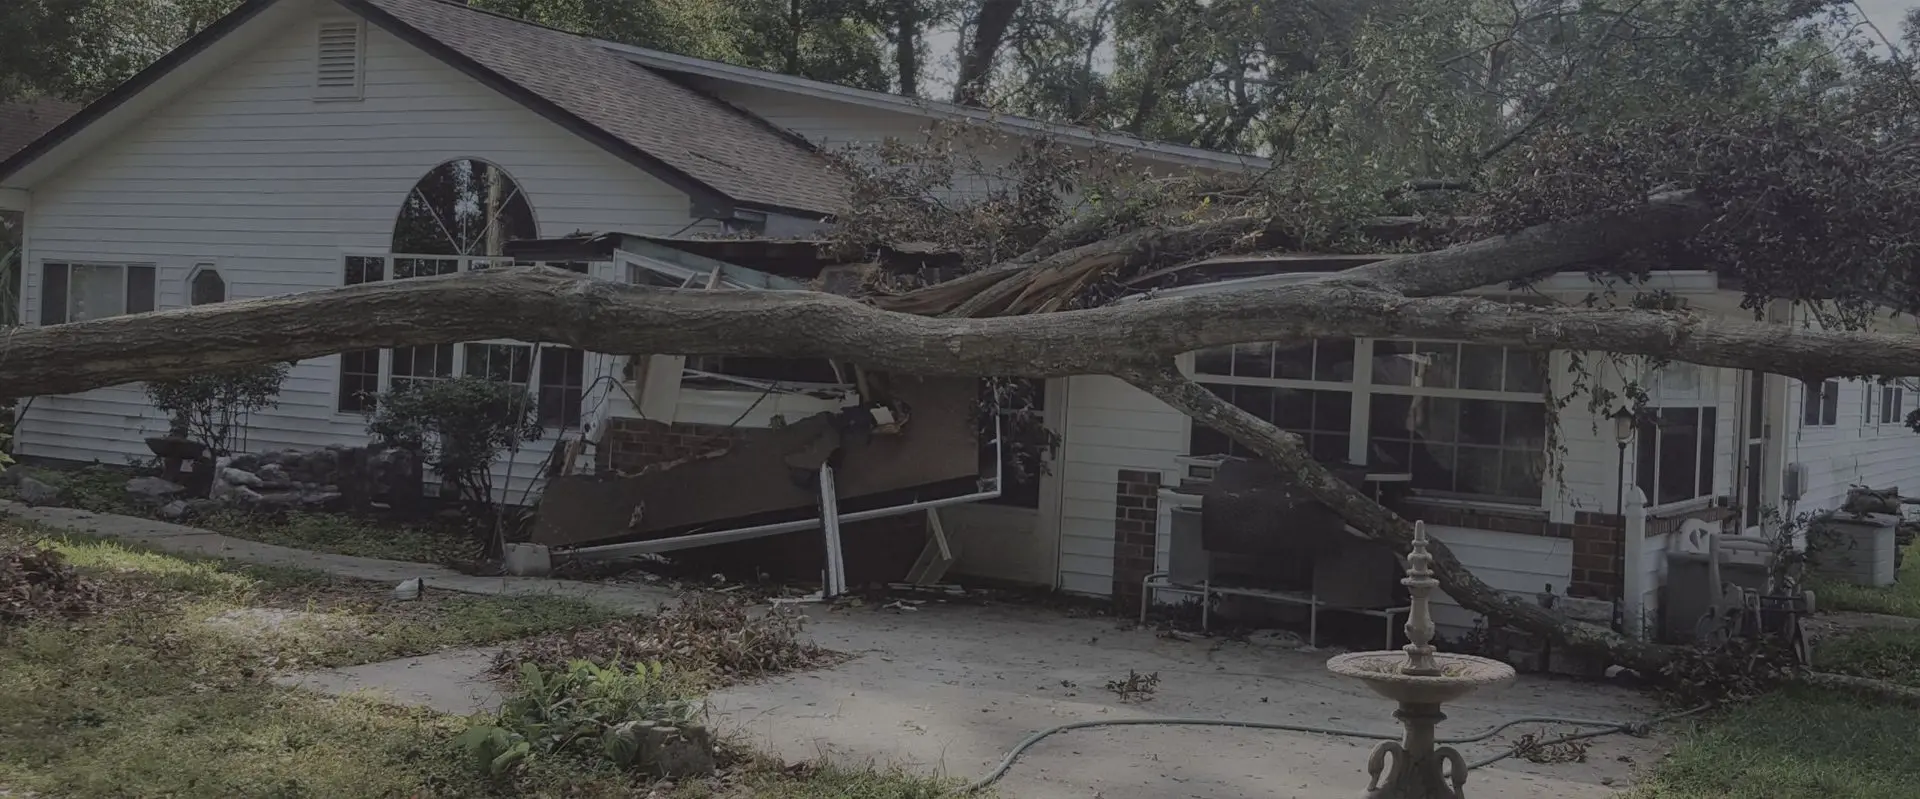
column 951, row 688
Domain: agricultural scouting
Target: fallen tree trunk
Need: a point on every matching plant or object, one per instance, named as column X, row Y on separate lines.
column 552, row 306
column 1374, row 523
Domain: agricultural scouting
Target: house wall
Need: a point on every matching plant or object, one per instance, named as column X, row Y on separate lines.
column 1857, row 450
column 248, row 172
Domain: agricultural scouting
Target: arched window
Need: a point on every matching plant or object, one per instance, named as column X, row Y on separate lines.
column 457, row 218
column 206, row 286
column 463, row 207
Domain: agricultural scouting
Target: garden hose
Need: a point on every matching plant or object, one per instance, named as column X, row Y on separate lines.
column 1606, row 728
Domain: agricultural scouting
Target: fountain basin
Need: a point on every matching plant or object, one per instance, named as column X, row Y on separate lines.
column 1385, row 673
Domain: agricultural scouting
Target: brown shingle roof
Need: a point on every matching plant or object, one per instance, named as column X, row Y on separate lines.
column 690, row 133
column 22, row 122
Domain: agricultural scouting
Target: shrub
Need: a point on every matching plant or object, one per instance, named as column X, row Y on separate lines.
column 582, row 710
column 460, row 427
column 213, row 408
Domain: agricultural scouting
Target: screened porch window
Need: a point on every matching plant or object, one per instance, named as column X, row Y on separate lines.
column 1675, row 456
column 76, row 292
column 1464, row 420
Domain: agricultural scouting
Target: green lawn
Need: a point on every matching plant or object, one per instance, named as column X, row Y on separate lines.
column 1900, row 599
column 1794, row 745
column 163, row 692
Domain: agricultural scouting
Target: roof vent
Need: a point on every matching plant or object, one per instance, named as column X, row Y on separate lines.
column 337, row 69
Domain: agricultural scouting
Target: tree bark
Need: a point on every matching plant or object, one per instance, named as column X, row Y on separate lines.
column 906, row 45
column 990, row 28
column 552, row 306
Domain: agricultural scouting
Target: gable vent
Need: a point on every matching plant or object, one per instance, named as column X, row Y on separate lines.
column 337, row 68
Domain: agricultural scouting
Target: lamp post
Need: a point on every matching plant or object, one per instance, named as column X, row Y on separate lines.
column 1623, row 428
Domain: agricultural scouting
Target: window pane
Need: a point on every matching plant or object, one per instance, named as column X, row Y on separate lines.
column 53, row 293
column 1526, row 372
column 1293, row 363
column 1388, row 416
column 95, row 292
column 1480, row 423
column 1525, row 421
column 1482, row 368
column 1679, row 454
column 1440, row 365
column 1523, row 472
column 363, row 269
column 1830, row 403
column 404, row 268
column 1333, row 361
column 1253, row 360
column 1478, row 471
column 1433, row 466
column 1332, row 411
column 1756, row 419
column 1393, row 363
column 140, row 289
column 207, row 288
column 1258, row 400
column 563, row 386
column 1206, row 441
column 506, row 363
column 1328, row 447
column 359, row 380
column 1215, row 361
column 1809, row 404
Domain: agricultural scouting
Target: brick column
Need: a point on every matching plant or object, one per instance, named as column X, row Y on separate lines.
column 1136, row 513
column 1599, row 556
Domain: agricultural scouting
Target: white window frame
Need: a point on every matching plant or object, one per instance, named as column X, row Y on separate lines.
column 1820, row 417
column 1361, row 390
column 459, row 362
column 1682, row 386
column 126, row 288
column 1892, row 396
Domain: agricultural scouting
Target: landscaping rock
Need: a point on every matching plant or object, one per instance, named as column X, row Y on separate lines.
column 153, row 487
column 174, row 511
column 237, row 477
column 38, row 492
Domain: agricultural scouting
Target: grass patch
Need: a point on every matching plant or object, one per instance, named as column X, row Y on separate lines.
column 808, row 781
column 1892, row 655
column 1795, row 744
column 102, row 489
column 150, row 696
column 288, row 618
column 1900, row 599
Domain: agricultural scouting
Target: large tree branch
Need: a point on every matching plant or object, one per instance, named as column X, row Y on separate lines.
column 1539, row 249
column 1372, row 522
column 559, row 307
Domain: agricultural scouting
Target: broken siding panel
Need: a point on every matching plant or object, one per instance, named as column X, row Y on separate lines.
column 248, row 172
column 1506, row 561
column 1110, row 426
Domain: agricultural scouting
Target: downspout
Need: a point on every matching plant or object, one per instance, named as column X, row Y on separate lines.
column 764, row 530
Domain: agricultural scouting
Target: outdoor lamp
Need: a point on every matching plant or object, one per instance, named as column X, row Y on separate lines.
column 1623, row 420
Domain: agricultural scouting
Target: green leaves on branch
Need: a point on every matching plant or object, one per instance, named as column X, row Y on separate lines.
column 212, row 408
column 460, row 426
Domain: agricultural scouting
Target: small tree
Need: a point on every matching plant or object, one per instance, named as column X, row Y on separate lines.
column 460, row 427
column 213, row 408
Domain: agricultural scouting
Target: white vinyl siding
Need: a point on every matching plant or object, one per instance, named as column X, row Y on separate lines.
column 247, row 171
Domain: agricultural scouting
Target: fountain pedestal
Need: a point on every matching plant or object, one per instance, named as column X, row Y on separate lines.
column 1421, row 681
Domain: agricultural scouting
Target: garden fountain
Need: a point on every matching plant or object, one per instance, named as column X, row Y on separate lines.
column 1421, row 680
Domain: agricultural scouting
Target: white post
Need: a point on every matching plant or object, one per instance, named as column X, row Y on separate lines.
column 830, row 522
column 1633, row 584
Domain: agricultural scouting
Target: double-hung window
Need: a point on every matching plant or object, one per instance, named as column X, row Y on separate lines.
column 78, row 292
column 1820, row 404
column 553, row 375
column 1464, row 420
